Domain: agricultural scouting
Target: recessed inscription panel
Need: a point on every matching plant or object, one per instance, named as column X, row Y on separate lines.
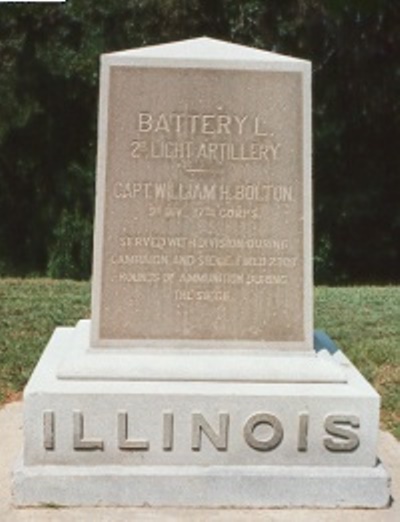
column 203, row 210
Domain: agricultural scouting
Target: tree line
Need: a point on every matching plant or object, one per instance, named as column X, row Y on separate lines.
column 49, row 65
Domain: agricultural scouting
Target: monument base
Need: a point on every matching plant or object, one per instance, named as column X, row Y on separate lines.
column 197, row 486
column 94, row 442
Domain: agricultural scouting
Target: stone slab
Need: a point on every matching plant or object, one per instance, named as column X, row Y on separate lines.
column 157, row 437
column 10, row 429
column 203, row 199
column 147, row 363
column 146, row 405
column 256, row 487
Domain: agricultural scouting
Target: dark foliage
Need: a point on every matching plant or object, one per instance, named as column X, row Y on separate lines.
column 48, row 105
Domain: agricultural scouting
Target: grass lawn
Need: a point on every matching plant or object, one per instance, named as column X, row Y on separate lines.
column 363, row 321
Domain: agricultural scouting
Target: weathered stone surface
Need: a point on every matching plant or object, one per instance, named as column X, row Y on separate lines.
column 293, row 428
column 257, row 444
column 182, row 364
column 272, row 486
column 203, row 204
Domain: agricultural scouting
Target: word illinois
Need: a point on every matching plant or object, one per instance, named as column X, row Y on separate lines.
column 340, row 432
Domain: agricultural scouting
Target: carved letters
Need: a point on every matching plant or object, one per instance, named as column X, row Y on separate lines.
column 262, row 431
column 204, row 208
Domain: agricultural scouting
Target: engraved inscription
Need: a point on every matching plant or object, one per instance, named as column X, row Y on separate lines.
column 216, row 152
column 262, row 432
column 302, row 441
column 203, row 207
column 343, row 437
column 48, row 430
column 186, row 123
column 218, row 439
column 124, row 443
column 170, row 139
column 168, row 431
column 273, row 439
column 80, row 442
column 203, row 192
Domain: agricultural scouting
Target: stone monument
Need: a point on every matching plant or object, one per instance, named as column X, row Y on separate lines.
column 196, row 382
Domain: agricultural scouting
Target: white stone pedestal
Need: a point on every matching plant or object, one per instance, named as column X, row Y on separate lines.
column 121, row 441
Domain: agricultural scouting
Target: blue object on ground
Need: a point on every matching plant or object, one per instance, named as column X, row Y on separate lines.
column 322, row 341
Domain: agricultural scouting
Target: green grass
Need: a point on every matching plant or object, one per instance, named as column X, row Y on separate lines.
column 30, row 309
column 365, row 324
column 363, row 321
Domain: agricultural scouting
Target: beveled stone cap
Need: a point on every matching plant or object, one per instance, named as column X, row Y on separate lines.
column 205, row 52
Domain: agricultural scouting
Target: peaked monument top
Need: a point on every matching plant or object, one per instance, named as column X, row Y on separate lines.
column 202, row 50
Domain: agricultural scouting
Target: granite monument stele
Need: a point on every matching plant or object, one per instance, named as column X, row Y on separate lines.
column 196, row 382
